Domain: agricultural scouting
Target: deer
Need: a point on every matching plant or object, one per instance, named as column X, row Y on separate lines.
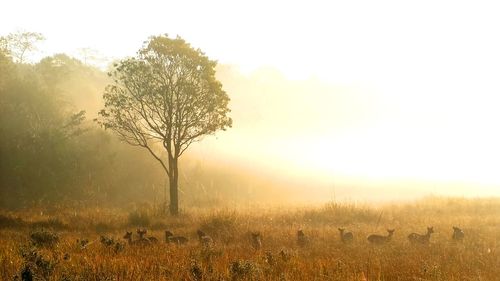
column 380, row 239
column 458, row 234
column 302, row 239
column 205, row 240
column 345, row 237
column 83, row 243
column 142, row 232
column 141, row 241
column 107, row 241
column 170, row 238
column 416, row 238
column 284, row 255
column 256, row 240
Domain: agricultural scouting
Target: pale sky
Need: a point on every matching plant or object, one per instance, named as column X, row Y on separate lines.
column 424, row 74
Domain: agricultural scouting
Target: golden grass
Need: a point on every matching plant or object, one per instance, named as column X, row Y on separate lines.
column 233, row 258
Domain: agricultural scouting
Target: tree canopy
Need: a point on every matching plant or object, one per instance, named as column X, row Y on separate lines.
column 168, row 94
column 18, row 44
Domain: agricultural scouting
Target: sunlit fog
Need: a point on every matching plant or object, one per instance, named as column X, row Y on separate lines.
column 249, row 140
column 357, row 100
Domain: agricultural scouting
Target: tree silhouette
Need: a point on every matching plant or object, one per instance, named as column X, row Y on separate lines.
column 20, row 43
column 166, row 95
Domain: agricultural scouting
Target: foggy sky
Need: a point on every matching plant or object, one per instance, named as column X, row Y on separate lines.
column 380, row 91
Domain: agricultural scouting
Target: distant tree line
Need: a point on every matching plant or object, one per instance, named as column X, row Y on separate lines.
column 50, row 149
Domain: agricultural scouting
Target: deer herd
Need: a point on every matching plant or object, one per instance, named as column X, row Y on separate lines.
column 303, row 240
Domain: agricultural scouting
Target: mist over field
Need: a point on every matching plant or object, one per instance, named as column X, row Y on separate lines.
column 351, row 109
column 229, row 140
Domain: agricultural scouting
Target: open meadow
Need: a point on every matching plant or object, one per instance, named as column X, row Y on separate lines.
column 88, row 244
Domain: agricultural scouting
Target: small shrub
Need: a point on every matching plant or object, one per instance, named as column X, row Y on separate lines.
column 196, row 271
column 27, row 273
column 36, row 267
column 244, row 269
column 44, row 238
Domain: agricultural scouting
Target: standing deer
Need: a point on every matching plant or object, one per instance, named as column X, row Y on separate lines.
column 205, row 240
column 380, row 239
column 345, row 237
column 256, row 240
column 458, row 234
column 302, row 239
column 416, row 238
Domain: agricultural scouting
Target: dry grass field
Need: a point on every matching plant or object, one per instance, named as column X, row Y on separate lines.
column 42, row 244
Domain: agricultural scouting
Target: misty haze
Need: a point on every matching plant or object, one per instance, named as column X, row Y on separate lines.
column 230, row 140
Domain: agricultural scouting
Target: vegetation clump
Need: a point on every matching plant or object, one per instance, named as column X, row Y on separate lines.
column 44, row 238
column 243, row 269
column 36, row 266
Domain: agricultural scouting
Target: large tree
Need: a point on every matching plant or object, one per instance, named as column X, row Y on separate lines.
column 168, row 95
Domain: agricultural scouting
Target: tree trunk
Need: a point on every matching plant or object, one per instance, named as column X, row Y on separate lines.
column 173, row 179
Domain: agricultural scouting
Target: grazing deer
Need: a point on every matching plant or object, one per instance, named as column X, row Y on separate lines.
column 302, row 239
column 416, row 238
column 458, row 234
column 256, row 240
column 380, row 239
column 170, row 238
column 205, row 240
column 345, row 237
column 141, row 241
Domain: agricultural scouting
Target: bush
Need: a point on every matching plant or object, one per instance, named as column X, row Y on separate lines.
column 44, row 238
column 244, row 270
column 36, row 267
